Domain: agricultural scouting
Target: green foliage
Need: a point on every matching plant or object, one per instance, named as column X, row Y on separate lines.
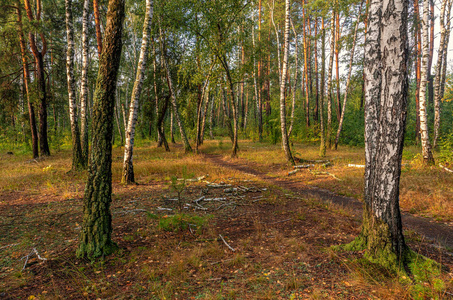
column 181, row 222
column 446, row 148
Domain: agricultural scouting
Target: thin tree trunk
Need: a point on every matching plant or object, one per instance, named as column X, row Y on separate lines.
column 128, row 166
column 77, row 158
column 172, row 126
column 199, row 110
column 285, row 141
column 187, row 147
column 351, row 60
column 39, row 75
column 97, row 21
column 307, row 97
column 322, row 147
column 205, row 113
column 226, row 115
column 316, row 71
column 160, row 123
column 296, row 73
column 440, row 61
column 96, row 234
column 84, row 84
column 329, row 81
column 418, row 51
column 337, row 63
column 426, row 145
column 31, row 109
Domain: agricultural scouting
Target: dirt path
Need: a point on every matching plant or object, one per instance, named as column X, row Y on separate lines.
column 436, row 232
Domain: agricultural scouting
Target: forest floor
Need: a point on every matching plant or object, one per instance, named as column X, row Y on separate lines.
column 241, row 228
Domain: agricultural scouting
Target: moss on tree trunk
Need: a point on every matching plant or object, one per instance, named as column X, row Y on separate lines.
column 95, row 238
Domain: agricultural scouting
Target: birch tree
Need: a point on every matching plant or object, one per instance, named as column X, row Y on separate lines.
column 96, row 234
column 84, row 84
column 386, row 91
column 439, row 82
column 426, row 144
column 77, row 158
column 128, row 167
column 285, row 141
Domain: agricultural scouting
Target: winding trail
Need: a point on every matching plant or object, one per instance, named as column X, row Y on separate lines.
column 437, row 233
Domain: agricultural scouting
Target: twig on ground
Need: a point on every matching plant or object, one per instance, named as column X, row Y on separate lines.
column 164, row 208
column 356, row 166
column 27, row 257
column 7, row 246
column 129, row 211
column 303, row 166
column 316, row 173
column 445, row 168
column 293, row 172
column 226, row 204
column 231, row 248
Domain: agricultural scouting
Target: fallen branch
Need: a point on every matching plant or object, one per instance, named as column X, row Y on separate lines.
column 231, row 248
column 226, row 204
column 129, row 211
column 27, row 257
column 445, row 168
column 164, row 208
column 303, row 166
column 356, row 166
column 293, row 172
column 7, row 246
column 316, row 173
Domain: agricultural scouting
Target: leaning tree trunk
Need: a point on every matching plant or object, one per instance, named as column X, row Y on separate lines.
column 174, row 103
column 31, row 109
column 84, row 84
column 77, row 158
column 386, row 91
column 128, row 167
column 351, row 60
column 329, row 82
column 285, row 141
column 97, row 21
column 96, row 233
column 426, row 145
column 160, row 121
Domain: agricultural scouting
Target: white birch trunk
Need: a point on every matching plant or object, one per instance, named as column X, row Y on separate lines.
column 77, row 160
column 296, row 73
column 285, row 142
column 426, row 145
column 128, row 167
column 84, row 82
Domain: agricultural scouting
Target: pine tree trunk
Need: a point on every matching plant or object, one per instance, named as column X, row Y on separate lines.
column 96, row 233
column 84, row 84
column 285, row 141
column 211, row 119
column 77, row 158
column 97, row 21
column 385, row 120
column 31, row 109
column 351, row 60
column 426, row 145
column 307, row 96
column 128, row 166
column 418, row 51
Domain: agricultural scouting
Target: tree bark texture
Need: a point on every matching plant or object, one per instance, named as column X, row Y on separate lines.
column 84, row 83
column 386, row 89
column 96, row 234
column 77, row 157
column 426, row 144
column 128, row 166
column 285, row 141
column 329, row 81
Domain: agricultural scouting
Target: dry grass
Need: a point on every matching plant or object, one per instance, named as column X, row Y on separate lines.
column 41, row 207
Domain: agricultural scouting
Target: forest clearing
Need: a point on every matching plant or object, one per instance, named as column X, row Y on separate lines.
column 282, row 235
column 226, row 149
